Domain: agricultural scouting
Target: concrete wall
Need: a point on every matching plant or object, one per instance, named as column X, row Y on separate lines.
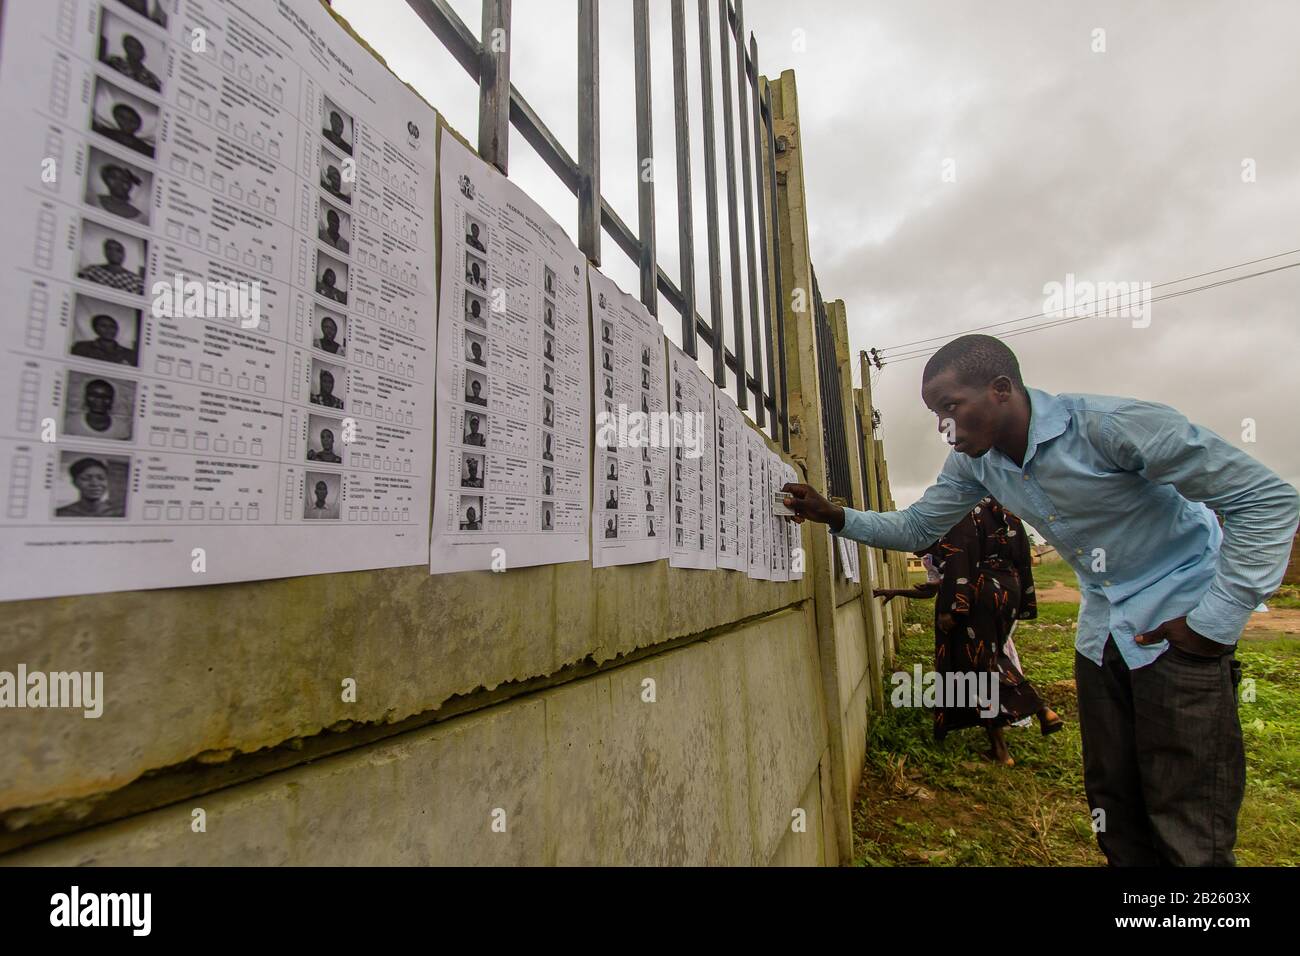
column 712, row 771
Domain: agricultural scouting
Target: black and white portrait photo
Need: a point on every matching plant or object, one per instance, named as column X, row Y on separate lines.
column 548, row 313
column 331, row 177
column 134, row 53
column 548, row 282
column 548, row 480
column 547, row 453
column 321, row 495
column 475, row 310
column 118, row 187
column 91, row 485
column 548, row 515
column 475, row 234
column 476, row 348
column 337, row 126
column 328, row 384
column 105, row 331
column 331, row 278
column 470, row 511
column 334, row 227
column 476, row 388
column 111, row 258
column 471, row 471
column 329, row 331
column 548, row 379
column 124, row 118
column 474, row 432
column 325, row 439
column 99, row 406
column 475, row 271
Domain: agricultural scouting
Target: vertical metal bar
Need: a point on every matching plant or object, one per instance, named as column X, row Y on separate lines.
column 762, row 237
column 589, row 130
column 733, row 226
column 747, row 181
column 494, row 85
column 645, row 193
column 685, row 210
column 711, row 200
column 784, row 393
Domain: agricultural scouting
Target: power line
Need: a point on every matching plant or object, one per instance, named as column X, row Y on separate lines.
column 907, row 356
column 1039, row 315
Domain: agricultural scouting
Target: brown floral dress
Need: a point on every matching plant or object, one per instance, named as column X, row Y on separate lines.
column 987, row 584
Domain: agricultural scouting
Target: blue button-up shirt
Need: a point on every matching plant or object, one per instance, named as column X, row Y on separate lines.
column 1120, row 488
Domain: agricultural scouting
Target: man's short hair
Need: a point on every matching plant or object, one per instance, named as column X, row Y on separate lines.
column 978, row 360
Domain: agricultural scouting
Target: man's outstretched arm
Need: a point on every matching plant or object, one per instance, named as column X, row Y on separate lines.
column 944, row 504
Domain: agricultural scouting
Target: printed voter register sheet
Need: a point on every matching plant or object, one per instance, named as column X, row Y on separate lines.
column 218, row 271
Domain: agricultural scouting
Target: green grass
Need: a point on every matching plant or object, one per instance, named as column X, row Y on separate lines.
column 942, row 804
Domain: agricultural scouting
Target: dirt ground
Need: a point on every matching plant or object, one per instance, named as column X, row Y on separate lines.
column 1262, row 624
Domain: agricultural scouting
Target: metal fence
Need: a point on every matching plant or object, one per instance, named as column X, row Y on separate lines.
column 839, row 481
column 502, row 106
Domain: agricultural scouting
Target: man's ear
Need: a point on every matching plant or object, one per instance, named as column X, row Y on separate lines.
column 1002, row 389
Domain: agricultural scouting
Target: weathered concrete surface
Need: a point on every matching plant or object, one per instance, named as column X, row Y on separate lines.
column 854, row 688
column 246, row 666
column 587, row 773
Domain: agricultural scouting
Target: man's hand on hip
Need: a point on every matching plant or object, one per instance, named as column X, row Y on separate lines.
column 807, row 503
column 1177, row 633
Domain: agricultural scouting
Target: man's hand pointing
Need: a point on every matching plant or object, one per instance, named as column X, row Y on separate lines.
column 807, row 503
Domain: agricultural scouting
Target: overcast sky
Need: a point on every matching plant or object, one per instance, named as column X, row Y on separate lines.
column 1122, row 165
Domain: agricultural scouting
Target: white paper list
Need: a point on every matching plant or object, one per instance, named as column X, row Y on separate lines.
column 693, row 477
column 219, row 267
column 629, row 522
column 760, row 506
column 514, row 354
column 733, row 484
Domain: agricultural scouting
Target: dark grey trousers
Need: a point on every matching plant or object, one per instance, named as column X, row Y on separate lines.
column 1163, row 758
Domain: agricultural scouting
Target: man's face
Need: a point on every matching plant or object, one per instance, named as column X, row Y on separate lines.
column 99, row 397
column 114, row 252
column 474, row 308
column 332, row 221
column 475, row 387
column 326, row 440
column 118, row 181
column 127, row 119
column 327, row 278
column 976, row 413
column 322, row 490
column 476, row 350
column 133, row 49
column 333, row 178
column 105, row 327
column 473, row 425
column 472, row 465
column 471, row 515
column 326, row 383
column 336, row 123
column 328, row 329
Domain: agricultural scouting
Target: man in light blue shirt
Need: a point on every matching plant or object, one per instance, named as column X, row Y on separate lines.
column 1126, row 491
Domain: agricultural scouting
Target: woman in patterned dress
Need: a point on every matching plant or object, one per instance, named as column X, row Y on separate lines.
column 985, row 584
